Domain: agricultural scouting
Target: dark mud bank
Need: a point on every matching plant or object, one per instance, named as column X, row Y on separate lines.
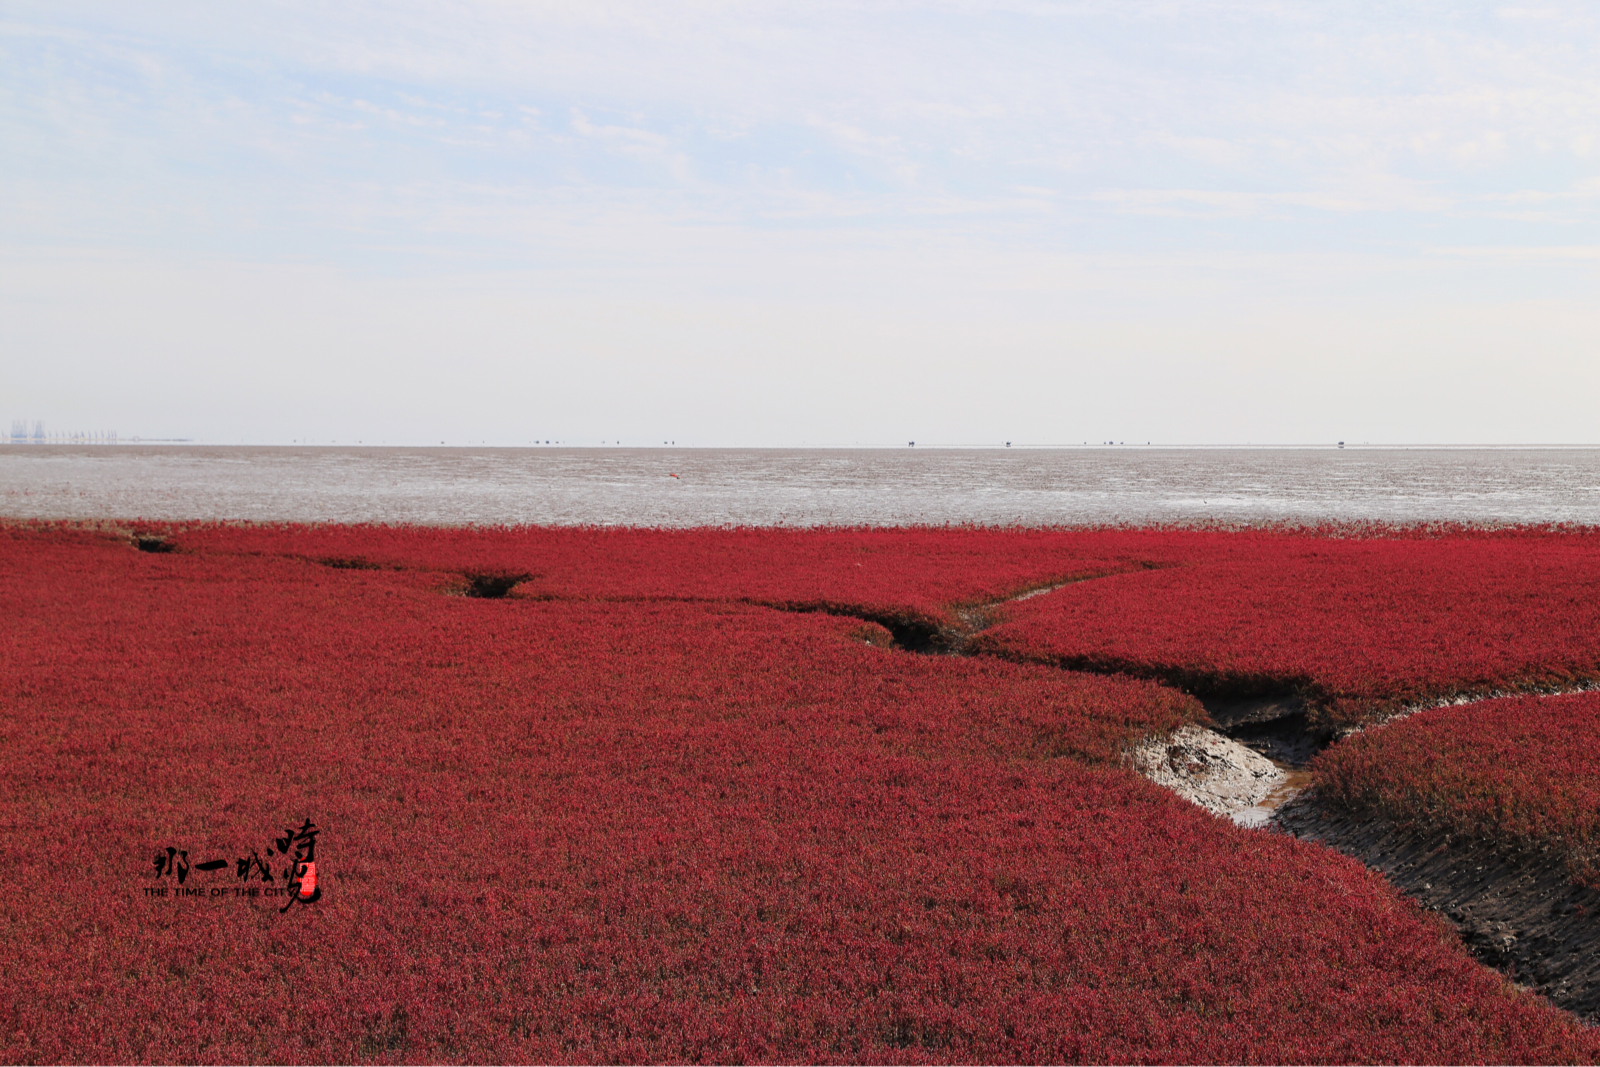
column 1277, row 725
column 1519, row 914
column 1516, row 912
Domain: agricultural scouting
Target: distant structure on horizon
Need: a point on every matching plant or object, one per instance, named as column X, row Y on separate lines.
column 21, row 436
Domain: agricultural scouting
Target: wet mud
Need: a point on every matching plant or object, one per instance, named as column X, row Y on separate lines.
column 1271, row 738
column 915, row 635
column 1208, row 769
column 1518, row 912
column 1277, row 725
column 1291, row 783
column 350, row 563
column 492, row 586
column 1515, row 911
column 972, row 619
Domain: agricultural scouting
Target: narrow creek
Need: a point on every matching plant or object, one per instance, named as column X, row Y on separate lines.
column 1520, row 915
column 1523, row 917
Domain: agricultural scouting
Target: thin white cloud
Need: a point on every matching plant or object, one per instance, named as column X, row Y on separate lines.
column 1515, row 254
column 1006, row 162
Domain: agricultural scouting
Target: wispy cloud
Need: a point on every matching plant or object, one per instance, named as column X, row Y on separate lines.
column 1183, row 162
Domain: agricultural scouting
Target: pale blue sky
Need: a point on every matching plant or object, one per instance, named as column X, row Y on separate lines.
column 765, row 224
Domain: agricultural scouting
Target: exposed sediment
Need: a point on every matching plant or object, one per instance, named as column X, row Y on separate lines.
column 1211, row 770
column 1518, row 912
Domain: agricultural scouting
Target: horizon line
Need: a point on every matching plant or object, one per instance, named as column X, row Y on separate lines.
column 804, row 446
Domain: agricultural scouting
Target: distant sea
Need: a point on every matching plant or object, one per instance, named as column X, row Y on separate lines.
column 800, row 487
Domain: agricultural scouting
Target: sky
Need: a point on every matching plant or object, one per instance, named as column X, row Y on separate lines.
column 809, row 223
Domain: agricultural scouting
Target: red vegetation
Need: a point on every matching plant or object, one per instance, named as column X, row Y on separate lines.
column 915, row 575
column 1522, row 771
column 557, row 831
column 1356, row 626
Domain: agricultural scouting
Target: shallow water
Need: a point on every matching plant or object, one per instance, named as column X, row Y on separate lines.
column 800, row 487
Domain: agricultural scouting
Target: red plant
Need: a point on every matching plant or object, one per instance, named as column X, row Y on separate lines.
column 1520, row 772
column 915, row 575
column 650, row 830
column 1356, row 626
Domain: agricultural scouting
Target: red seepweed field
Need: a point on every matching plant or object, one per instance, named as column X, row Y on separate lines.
column 1523, row 772
column 677, row 797
column 1355, row 625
